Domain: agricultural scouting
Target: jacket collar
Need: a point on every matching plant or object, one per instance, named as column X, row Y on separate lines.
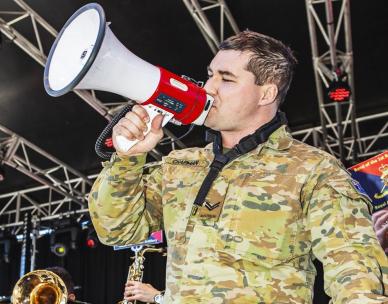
column 280, row 140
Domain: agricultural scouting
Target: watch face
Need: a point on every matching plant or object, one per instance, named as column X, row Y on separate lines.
column 158, row 299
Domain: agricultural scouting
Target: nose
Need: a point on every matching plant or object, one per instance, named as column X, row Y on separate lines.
column 210, row 86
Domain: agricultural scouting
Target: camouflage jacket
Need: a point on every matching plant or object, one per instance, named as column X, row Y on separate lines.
column 269, row 214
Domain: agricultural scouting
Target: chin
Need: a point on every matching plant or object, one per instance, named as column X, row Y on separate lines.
column 208, row 122
column 213, row 127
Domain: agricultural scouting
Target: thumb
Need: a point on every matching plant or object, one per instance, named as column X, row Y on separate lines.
column 156, row 124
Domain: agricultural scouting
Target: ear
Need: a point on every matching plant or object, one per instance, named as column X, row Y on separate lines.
column 71, row 296
column 269, row 94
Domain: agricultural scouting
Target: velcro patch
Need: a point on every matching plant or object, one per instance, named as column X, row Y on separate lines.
column 360, row 189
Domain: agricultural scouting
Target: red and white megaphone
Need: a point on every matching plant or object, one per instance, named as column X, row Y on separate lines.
column 87, row 55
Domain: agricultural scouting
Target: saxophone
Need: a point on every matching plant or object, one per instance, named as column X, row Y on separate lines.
column 136, row 269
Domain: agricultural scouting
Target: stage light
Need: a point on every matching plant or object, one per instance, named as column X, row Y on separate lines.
column 5, row 245
column 109, row 142
column 60, row 243
column 59, row 249
column 91, row 239
column 91, row 242
column 339, row 89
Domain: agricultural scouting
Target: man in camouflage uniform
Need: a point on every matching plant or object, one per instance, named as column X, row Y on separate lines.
column 269, row 212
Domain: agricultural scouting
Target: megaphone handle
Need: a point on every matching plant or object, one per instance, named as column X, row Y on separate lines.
column 125, row 144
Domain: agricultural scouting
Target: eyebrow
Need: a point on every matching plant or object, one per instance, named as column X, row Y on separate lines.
column 223, row 73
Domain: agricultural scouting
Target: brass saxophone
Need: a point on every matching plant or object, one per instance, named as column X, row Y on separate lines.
column 136, row 269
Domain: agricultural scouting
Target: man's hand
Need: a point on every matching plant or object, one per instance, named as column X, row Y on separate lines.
column 139, row 291
column 380, row 223
column 133, row 126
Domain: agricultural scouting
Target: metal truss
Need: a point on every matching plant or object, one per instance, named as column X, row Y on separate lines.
column 337, row 135
column 37, row 52
column 371, row 144
column 54, row 201
column 198, row 10
column 62, row 184
column 16, row 204
column 64, row 190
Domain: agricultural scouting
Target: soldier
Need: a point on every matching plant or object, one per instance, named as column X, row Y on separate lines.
column 246, row 215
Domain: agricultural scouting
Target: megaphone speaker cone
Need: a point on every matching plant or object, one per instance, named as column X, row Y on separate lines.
column 75, row 49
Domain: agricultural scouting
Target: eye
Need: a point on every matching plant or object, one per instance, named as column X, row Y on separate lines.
column 209, row 76
column 227, row 80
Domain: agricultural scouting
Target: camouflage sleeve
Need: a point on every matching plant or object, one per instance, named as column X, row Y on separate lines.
column 125, row 203
column 343, row 239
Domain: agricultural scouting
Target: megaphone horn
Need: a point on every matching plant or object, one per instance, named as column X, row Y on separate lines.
column 87, row 55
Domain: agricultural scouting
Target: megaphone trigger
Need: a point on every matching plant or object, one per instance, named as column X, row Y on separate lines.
column 124, row 144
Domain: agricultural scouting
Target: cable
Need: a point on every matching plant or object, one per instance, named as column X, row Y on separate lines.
column 165, row 141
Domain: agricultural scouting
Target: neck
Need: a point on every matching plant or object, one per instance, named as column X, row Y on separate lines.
column 231, row 138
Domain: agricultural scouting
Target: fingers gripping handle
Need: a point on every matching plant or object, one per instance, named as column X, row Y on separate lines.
column 125, row 144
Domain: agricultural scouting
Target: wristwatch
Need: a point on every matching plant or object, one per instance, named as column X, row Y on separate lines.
column 158, row 299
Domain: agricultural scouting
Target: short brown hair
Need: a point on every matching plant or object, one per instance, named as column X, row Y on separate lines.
column 271, row 60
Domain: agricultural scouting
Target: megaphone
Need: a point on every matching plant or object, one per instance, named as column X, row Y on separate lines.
column 87, row 55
